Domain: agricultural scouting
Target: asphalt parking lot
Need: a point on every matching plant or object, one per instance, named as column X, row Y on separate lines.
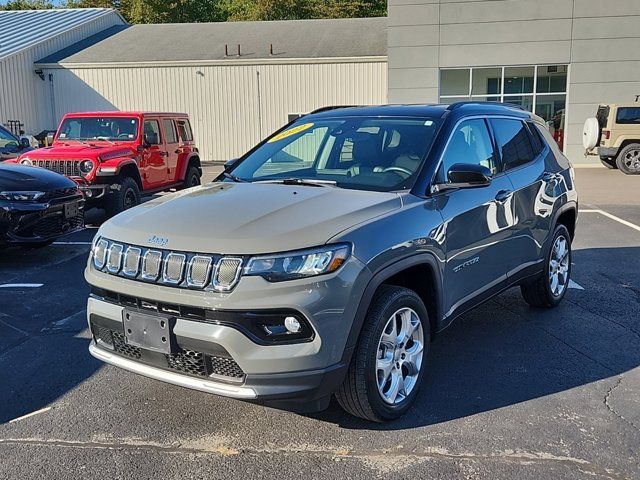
column 511, row 392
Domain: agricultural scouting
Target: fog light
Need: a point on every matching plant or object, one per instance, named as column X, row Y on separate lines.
column 292, row 325
column 88, row 193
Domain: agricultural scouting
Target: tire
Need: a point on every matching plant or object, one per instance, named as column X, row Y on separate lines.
column 360, row 395
column 192, row 178
column 128, row 196
column 628, row 160
column 609, row 163
column 541, row 293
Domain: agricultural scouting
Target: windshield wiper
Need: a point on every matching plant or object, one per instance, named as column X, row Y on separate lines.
column 105, row 139
column 313, row 182
column 234, row 178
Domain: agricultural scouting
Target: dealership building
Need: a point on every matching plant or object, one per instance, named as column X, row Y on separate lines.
column 240, row 81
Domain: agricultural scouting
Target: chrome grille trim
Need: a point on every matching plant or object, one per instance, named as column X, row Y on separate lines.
column 132, row 262
column 227, row 273
column 114, row 259
column 173, row 270
column 151, row 265
column 201, row 278
column 196, row 271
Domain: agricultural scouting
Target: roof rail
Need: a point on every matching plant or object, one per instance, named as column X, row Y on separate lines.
column 332, row 107
column 456, row 105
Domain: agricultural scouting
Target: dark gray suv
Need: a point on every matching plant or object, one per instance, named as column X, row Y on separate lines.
column 325, row 260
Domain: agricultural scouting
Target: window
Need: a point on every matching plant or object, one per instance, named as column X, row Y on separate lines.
column 152, row 132
column 537, row 88
column 469, row 143
column 628, row 115
column 297, row 155
column 184, row 128
column 537, row 141
column 513, row 142
column 7, row 140
column 169, row 131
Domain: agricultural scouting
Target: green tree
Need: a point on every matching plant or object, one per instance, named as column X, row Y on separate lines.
column 27, row 5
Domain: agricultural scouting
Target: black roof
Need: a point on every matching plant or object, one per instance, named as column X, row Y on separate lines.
column 461, row 109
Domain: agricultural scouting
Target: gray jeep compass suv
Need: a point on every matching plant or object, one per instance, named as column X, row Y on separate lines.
column 324, row 260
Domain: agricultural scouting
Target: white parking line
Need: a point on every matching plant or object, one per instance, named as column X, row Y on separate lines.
column 22, row 285
column 613, row 217
column 37, row 412
column 575, row 286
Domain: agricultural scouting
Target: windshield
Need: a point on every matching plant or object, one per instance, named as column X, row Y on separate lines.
column 99, row 128
column 7, row 140
column 380, row 154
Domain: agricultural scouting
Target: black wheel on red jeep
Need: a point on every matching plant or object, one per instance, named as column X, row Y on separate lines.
column 124, row 198
column 192, row 178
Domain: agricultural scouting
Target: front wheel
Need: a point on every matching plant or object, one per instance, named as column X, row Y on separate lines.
column 548, row 290
column 386, row 370
column 628, row 160
column 124, row 198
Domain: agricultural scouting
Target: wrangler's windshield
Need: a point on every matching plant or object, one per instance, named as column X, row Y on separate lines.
column 380, row 154
column 122, row 129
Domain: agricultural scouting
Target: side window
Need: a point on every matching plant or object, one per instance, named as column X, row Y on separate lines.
column 169, row 131
column 513, row 142
column 469, row 143
column 537, row 141
column 152, row 132
column 184, row 128
column 6, row 139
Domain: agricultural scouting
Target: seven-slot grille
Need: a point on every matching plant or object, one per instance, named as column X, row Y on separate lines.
column 70, row 168
column 179, row 269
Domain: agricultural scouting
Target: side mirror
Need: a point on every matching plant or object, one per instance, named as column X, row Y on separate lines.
column 25, row 143
column 230, row 164
column 466, row 175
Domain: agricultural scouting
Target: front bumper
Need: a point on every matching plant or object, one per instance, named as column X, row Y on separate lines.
column 24, row 223
column 298, row 376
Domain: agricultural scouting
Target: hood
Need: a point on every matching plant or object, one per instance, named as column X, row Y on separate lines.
column 251, row 218
column 19, row 177
column 78, row 151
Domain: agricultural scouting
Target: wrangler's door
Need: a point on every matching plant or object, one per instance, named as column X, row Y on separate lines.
column 477, row 220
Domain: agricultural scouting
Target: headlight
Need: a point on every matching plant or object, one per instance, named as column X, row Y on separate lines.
column 307, row 263
column 86, row 166
column 26, row 161
column 21, row 196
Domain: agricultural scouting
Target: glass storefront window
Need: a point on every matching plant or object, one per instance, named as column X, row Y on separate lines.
column 514, row 85
column 486, row 81
column 518, row 79
column 454, row 82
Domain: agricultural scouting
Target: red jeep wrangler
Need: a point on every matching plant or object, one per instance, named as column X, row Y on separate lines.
column 116, row 156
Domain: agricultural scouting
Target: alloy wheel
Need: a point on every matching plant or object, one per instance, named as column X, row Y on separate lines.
column 399, row 356
column 559, row 266
column 632, row 160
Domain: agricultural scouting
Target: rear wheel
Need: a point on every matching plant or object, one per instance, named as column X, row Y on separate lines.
column 628, row 159
column 609, row 163
column 548, row 290
column 386, row 370
column 192, row 178
column 126, row 197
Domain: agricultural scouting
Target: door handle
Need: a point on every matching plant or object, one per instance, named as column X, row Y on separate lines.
column 164, row 154
column 503, row 195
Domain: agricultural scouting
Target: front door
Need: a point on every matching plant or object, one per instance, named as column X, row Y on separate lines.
column 478, row 221
column 154, row 156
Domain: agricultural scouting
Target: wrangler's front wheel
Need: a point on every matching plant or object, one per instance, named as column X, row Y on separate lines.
column 387, row 367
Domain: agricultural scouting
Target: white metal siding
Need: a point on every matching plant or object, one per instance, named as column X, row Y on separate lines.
column 222, row 100
column 23, row 95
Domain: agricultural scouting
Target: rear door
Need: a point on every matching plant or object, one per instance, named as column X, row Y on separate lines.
column 522, row 152
column 172, row 146
column 154, row 170
column 478, row 220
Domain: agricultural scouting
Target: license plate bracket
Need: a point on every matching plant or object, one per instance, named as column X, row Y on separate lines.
column 149, row 331
column 71, row 209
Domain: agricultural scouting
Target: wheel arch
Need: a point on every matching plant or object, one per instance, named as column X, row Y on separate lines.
column 408, row 273
column 191, row 160
column 130, row 169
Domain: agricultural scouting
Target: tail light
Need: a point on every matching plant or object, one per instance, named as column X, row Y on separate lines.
column 606, row 134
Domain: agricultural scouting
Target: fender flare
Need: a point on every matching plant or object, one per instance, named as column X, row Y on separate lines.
column 187, row 161
column 379, row 277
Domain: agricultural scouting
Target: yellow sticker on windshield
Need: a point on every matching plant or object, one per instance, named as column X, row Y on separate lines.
column 290, row 132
